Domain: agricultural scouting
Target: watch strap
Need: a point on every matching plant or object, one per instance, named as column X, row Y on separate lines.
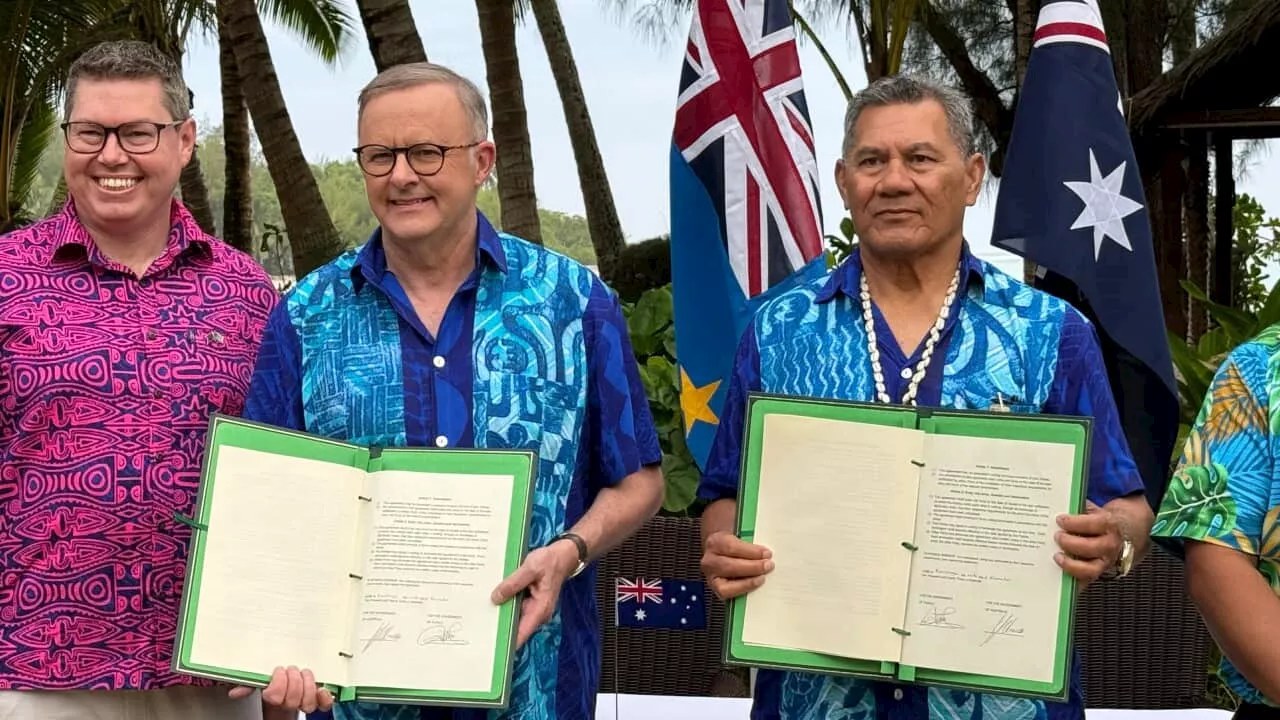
column 582, row 549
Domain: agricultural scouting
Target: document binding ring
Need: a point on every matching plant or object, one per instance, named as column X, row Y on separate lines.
column 355, row 576
column 366, row 499
column 908, row 545
column 902, row 632
column 918, row 463
column 345, row 654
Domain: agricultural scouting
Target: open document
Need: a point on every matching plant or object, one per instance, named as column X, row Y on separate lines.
column 372, row 567
column 910, row 544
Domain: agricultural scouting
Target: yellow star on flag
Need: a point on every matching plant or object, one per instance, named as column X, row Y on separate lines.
column 695, row 402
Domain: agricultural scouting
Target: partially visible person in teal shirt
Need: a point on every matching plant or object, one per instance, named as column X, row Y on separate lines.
column 441, row 331
column 1221, row 513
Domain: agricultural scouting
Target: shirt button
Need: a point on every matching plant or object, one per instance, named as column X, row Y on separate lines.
column 151, row 334
column 441, row 441
column 438, row 361
column 906, row 373
column 897, row 693
column 157, row 394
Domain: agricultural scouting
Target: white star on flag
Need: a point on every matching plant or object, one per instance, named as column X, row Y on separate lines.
column 1105, row 207
column 640, row 615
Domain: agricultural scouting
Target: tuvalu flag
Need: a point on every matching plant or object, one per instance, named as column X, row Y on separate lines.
column 745, row 212
column 1071, row 201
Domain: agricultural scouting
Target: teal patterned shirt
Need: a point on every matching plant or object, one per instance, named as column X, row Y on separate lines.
column 1225, row 490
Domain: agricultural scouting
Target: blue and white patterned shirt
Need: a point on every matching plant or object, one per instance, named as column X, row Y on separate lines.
column 618, row 437
column 994, row 316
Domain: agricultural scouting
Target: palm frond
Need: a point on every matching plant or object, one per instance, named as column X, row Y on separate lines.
column 38, row 129
column 323, row 25
column 656, row 21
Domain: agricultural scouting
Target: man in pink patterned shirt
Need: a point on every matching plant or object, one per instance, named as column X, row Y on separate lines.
column 123, row 326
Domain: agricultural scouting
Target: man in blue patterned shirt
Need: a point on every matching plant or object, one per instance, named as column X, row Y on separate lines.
column 913, row 317
column 441, row 331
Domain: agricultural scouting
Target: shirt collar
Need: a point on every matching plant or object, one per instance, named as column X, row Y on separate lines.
column 69, row 234
column 847, row 278
column 371, row 263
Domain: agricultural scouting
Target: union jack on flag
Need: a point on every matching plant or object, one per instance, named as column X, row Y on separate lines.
column 666, row 603
column 745, row 212
column 639, row 590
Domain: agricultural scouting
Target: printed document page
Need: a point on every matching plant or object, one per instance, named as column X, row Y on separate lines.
column 836, row 501
column 985, row 591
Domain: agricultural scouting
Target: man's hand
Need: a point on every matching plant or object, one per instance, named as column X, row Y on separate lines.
column 1090, row 543
column 734, row 567
column 289, row 691
column 543, row 572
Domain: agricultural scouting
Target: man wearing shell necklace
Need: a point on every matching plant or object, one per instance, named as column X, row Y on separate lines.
column 912, row 317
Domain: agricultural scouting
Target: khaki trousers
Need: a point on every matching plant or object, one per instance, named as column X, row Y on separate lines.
column 176, row 703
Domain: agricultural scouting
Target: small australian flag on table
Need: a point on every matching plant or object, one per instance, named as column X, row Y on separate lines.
column 668, row 604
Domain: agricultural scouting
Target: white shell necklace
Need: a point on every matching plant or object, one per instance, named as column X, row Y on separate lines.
column 909, row 397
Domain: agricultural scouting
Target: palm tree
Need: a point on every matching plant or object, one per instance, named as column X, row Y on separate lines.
column 312, row 235
column 516, row 196
column 602, row 216
column 40, row 41
column 393, row 37
column 322, row 25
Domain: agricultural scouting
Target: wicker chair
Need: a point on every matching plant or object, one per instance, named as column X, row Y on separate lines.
column 658, row 661
column 1142, row 641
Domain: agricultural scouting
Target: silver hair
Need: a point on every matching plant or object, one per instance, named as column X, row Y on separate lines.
column 399, row 77
column 906, row 90
column 131, row 60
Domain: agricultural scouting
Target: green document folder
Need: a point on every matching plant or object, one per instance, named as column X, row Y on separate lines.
column 372, row 567
column 924, row 566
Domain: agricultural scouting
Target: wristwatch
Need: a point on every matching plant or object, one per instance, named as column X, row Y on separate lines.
column 1123, row 563
column 582, row 551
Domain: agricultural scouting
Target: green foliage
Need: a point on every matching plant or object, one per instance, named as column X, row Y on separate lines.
column 1251, row 252
column 650, row 322
column 841, row 247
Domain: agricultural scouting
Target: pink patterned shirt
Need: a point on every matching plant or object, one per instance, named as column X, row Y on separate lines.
column 107, row 382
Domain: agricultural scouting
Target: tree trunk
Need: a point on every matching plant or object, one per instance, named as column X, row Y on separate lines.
column 1024, row 30
column 312, row 235
column 516, row 193
column 1196, row 212
column 237, row 199
column 602, row 216
column 195, row 194
column 392, row 35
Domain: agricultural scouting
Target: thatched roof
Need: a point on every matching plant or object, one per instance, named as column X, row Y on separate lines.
column 1234, row 70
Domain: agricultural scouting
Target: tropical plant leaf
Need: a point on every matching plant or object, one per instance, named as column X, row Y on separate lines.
column 41, row 122
column 323, row 25
column 1240, row 325
column 1198, row 504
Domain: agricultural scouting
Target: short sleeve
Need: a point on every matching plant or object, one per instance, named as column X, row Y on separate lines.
column 275, row 392
column 620, row 426
column 1222, row 485
column 724, row 460
column 1081, row 388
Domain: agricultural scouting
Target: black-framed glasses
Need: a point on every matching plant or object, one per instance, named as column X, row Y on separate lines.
column 423, row 158
column 136, row 138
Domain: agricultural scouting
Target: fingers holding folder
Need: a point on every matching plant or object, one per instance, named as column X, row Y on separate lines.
column 290, row 690
column 733, row 566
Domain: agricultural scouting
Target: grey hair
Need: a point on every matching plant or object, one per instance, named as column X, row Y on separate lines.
column 399, row 77
column 908, row 90
column 131, row 60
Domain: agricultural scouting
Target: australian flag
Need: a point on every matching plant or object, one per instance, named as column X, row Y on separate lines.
column 1071, row 201
column 669, row 604
column 745, row 216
